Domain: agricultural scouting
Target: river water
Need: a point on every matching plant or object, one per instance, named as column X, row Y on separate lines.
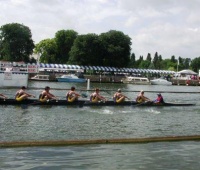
column 68, row 122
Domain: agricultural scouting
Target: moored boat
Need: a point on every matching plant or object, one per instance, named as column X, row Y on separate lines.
column 70, row 78
column 40, row 78
column 136, row 80
column 160, row 81
column 81, row 103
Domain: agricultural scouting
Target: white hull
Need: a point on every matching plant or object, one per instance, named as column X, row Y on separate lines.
column 13, row 79
column 161, row 82
column 40, row 78
column 136, row 80
column 70, row 78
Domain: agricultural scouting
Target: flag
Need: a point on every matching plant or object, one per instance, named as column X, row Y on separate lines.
column 178, row 62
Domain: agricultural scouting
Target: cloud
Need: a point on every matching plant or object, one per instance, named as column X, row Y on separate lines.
column 169, row 27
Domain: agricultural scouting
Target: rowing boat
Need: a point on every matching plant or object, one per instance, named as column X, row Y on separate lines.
column 86, row 103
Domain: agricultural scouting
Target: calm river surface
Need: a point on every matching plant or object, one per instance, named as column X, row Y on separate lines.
column 66, row 123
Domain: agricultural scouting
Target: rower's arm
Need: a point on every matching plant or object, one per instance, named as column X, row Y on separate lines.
column 3, row 96
column 30, row 95
column 77, row 94
column 51, row 96
column 126, row 97
column 102, row 98
column 147, row 99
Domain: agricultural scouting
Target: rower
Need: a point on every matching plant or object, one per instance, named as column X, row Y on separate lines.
column 46, row 95
column 119, row 97
column 141, row 98
column 3, row 96
column 96, row 97
column 159, row 99
column 72, row 96
column 22, row 94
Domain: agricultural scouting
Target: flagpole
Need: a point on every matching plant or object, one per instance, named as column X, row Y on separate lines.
column 177, row 65
column 177, row 72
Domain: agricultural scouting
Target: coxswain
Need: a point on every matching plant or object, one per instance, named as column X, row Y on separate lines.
column 3, row 96
column 46, row 95
column 22, row 94
column 96, row 97
column 159, row 99
column 119, row 97
column 72, row 96
column 141, row 98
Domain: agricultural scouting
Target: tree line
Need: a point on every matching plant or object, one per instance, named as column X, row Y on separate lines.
column 112, row 48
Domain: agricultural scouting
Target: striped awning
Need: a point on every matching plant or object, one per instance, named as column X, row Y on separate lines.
column 59, row 66
column 104, row 69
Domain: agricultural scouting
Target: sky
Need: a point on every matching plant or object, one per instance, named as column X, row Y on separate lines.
column 169, row 27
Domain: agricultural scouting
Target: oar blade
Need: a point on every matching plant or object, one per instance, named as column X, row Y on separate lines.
column 84, row 95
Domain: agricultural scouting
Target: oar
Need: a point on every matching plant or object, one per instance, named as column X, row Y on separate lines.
column 142, row 103
column 128, row 98
column 84, row 95
column 3, row 99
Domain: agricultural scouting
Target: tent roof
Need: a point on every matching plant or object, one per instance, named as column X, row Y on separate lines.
column 188, row 72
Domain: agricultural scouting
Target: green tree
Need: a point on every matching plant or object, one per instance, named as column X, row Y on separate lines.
column 173, row 59
column 167, row 64
column 116, row 48
column 195, row 64
column 64, row 40
column 174, row 62
column 137, row 65
column 47, row 50
column 87, row 50
column 185, row 62
column 144, row 64
column 148, row 57
column 16, row 42
column 151, row 66
column 156, row 60
column 132, row 61
column 159, row 64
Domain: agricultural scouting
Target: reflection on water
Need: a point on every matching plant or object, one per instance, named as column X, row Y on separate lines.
column 164, row 156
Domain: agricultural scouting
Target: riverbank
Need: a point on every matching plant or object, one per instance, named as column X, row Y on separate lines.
column 118, row 79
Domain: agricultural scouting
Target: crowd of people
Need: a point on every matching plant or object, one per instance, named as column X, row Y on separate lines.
column 72, row 96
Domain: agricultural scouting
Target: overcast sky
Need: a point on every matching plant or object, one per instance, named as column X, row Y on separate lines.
column 169, row 27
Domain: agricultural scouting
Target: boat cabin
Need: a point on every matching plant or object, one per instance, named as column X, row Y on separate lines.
column 136, row 80
column 40, row 77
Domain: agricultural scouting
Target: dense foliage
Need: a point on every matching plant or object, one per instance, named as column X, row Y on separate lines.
column 48, row 51
column 64, row 41
column 115, row 48
column 16, row 42
column 87, row 50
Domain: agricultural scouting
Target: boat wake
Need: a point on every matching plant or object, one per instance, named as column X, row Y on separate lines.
column 153, row 111
column 107, row 112
column 102, row 111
